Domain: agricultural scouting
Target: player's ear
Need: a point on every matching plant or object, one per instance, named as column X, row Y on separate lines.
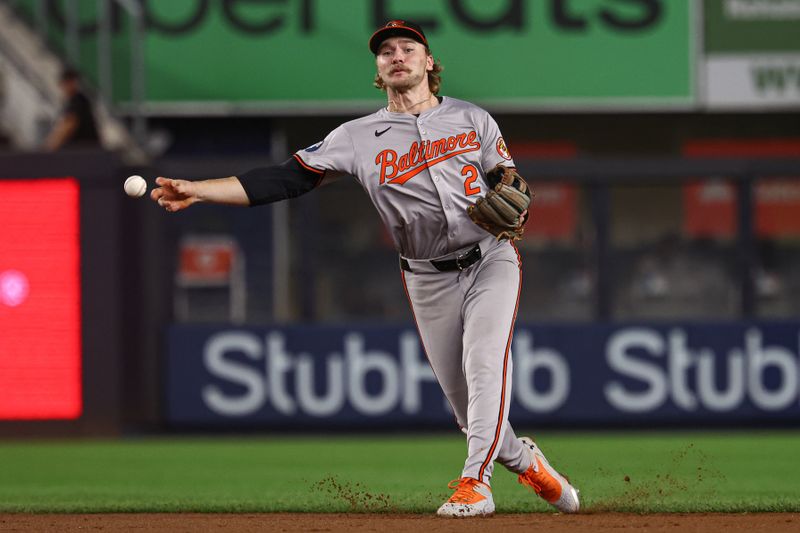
column 429, row 63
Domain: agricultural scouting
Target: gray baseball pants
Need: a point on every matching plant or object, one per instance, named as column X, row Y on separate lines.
column 465, row 320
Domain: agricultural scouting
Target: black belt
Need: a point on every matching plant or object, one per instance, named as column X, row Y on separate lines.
column 463, row 261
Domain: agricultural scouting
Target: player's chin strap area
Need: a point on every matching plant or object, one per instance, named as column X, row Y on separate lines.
column 459, row 260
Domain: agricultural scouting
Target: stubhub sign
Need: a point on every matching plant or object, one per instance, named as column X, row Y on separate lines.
column 567, row 374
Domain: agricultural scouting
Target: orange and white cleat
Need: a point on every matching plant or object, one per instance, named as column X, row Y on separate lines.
column 471, row 498
column 547, row 483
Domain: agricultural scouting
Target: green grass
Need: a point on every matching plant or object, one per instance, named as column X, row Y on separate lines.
column 665, row 472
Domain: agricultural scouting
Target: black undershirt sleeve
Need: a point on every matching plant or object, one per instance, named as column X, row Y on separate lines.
column 281, row 182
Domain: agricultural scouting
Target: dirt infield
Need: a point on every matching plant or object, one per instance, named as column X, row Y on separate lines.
column 552, row 523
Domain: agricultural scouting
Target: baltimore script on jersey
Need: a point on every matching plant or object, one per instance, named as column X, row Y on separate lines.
column 423, row 154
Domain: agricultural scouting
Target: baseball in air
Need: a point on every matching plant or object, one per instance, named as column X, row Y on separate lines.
column 135, row 186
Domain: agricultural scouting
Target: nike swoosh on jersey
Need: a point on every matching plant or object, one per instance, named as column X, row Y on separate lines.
column 379, row 133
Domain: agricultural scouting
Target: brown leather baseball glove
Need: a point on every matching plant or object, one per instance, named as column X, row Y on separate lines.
column 504, row 209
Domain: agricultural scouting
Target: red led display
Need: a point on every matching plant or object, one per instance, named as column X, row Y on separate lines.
column 40, row 305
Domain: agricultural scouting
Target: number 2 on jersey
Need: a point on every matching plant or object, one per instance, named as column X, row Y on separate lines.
column 472, row 176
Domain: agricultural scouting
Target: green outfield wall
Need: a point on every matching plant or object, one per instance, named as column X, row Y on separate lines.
column 309, row 54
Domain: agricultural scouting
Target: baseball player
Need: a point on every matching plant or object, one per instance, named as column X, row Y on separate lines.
column 441, row 177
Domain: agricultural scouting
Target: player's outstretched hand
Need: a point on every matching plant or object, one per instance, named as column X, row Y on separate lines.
column 174, row 195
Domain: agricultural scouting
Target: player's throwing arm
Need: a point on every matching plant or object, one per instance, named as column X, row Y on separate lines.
column 175, row 195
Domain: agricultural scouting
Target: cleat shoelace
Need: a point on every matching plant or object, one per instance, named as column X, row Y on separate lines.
column 530, row 483
column 463, row 490
column 542, row 483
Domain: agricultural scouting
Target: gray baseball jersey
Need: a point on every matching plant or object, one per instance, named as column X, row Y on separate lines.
column 421, row 172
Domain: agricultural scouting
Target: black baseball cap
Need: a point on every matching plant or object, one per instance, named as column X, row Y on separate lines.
column 396, row 28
